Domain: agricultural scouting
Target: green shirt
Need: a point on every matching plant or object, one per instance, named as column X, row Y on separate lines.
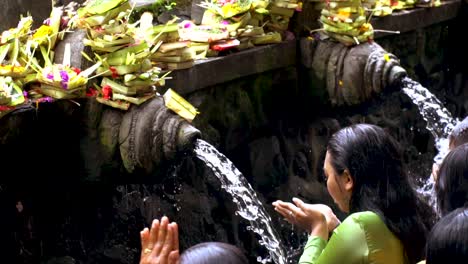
column 362, row 238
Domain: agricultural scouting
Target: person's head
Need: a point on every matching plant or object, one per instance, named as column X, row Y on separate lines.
column 459, row 135
column 448, row 240
column 365, row 172
column 452, row 180
column 213, row 252
column 363, row 162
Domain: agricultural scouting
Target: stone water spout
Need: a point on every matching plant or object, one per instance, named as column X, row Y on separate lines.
column 145, row 135
column 152, row 133
column 350, row 74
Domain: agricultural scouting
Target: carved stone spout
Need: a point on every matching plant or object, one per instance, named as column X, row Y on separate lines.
column 138, row 140
column 350, row 75
column 152, row 133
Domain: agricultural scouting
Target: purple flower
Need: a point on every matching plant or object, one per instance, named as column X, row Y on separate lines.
column 50, row 76
column 25, row 93
column 65, row 78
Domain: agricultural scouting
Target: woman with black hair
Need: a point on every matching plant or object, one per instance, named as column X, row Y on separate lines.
column 388, row 222
column 452, row 181
column 448, row 240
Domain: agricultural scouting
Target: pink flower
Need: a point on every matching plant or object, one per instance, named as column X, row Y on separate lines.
column 46, row 99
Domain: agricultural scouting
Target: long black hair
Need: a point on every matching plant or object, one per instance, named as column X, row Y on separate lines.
column 448, row 242
column 381, row 185
column 213, row 253
column 452, row 180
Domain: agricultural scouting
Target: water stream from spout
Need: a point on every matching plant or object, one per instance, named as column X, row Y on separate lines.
column 248, row 205
column 439, row 122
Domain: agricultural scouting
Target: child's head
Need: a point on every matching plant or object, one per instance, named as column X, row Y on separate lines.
column 459, row 135
column 213, row 252
column 448, row 240
column 452, row 180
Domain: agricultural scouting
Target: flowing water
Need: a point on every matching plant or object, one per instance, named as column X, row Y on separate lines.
column 439, row 122
column 248, row 205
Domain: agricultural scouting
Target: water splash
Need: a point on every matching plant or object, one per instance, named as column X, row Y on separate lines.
column 439, row 122
column 171, row 187
column 248, row 205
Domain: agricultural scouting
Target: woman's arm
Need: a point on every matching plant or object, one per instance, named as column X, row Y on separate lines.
column 347, row 245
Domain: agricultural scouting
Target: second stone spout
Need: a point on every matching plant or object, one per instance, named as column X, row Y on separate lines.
column 350, row 75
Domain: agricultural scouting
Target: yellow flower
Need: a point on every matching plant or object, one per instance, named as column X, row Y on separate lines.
column 11, row 70
column 227, row 9
column 365, row 27
column 343, row 14
column 42, row 33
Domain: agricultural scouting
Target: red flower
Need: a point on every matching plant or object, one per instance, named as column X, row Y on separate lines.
column 91, row 92
column 5, row 108
column 115, row 74
column 78, row 71
column 106, row 92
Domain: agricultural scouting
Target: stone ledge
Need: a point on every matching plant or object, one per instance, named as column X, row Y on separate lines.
column 218, row 70
column 412, row 19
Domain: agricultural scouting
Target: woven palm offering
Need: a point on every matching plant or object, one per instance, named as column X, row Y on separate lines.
column 124, row 52
column 346, row 22
column 249, row 23
column 387, row 7
column 24, row 53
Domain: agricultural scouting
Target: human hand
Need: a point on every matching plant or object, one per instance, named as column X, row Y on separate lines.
column 160, row 245
column 306, row 216
column 330, row 217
